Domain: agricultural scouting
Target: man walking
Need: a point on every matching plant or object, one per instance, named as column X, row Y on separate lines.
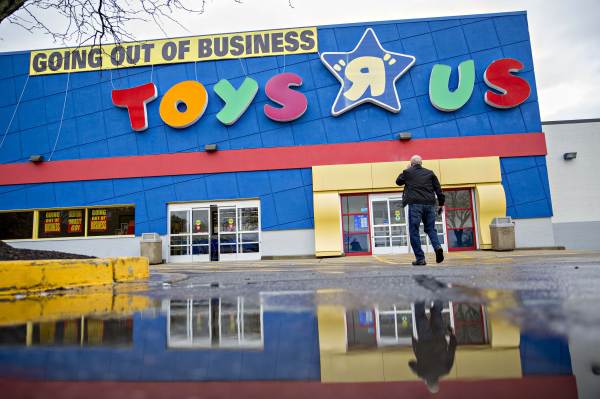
column 421, row 186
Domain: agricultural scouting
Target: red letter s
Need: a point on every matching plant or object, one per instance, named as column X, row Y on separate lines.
column 135, row 100
column 498, row 76
column 293, row 102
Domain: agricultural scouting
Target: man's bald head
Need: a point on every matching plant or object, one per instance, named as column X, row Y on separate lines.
column 416, row 160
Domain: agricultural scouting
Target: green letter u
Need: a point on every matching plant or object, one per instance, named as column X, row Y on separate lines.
column 441, row 97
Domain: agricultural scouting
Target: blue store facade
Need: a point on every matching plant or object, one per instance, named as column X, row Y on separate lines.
column 263, row 206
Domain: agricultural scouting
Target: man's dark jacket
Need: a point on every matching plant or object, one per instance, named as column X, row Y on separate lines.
column 434, row 356
column 421, row 186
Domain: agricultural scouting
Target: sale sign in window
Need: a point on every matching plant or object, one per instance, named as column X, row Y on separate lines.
column 98, row 219
column 75, row 221
column 52, row 222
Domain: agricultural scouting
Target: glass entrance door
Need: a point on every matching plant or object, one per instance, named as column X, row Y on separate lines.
column 239, row 232
column 188, row 235
column 200, row 232
column 389, row 228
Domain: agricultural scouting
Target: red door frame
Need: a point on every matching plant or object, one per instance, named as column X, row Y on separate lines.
column 446, row 209
column 368, row 233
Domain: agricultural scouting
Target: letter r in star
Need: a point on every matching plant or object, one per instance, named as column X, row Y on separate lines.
column 367, row 74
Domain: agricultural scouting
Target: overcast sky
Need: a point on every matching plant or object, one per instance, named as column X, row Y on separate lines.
column 565, row 35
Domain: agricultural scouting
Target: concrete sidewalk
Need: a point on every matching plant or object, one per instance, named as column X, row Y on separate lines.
column 460, row 258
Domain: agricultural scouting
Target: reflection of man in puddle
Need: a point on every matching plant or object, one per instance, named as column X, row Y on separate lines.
column 435, row 355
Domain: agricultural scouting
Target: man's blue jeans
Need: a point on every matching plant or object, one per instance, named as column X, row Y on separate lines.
column 418, row 213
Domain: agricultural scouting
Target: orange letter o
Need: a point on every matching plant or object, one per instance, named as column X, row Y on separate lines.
column 190, row 92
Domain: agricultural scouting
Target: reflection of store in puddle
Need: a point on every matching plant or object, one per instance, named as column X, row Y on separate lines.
column 83, row 331
column 376, row 344
column 214, row 323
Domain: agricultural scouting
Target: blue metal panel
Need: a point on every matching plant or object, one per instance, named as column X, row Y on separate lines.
column 268, row 214
column 443, row 129
column 6, row 68
column 481, row 35
column 156, row 203
column 291, row 206
column 98, row 149
column 282, row 180
column 7, row 88
column 282, row 137
column 251, row 141
column 179, row 140
column 207, row 72
column 410, row 120
column 37, row 196
column 90, row 128
column 342, row 129
column 422, row 47
column 69, row 194
column 31, row 113
column 253, row 184
column 11, row 148
column 309, row 133
column 261, row 64
column 222, row 186
column 191, row 190
column 443, row 24
column 525, row 182
column 372, row 122
column 410, row 29
column 127, row 186
column 34, row 142
column 512, row 28
column 97, row 190
column 474, row 125
column 152, row 141
column 450, row 42
column 123, row 145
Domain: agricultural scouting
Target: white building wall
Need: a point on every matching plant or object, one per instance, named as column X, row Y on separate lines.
column 274, row 243
column 534, row 233
column 575, row 184
column 288, row 243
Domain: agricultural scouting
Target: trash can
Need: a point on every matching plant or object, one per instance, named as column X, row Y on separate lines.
column 503, row 234
column 151, row 247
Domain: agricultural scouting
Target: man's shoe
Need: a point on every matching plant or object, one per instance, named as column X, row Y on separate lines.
column 439, row 255
column 419, row 262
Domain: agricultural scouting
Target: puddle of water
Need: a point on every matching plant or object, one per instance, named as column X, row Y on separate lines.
column 322, row 344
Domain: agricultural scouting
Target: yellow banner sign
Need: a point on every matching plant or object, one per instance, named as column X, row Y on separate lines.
column 170, row 51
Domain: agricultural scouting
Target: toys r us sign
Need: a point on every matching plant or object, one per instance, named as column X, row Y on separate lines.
column 367, row 74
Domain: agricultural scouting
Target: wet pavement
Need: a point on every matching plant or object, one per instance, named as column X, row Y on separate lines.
column 516, row 325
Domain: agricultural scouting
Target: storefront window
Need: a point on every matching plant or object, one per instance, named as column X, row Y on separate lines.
column 111, row 221
column 16, row 225
column 61, row 223
column 355, row 220
column 459, row 220
column 64, row 223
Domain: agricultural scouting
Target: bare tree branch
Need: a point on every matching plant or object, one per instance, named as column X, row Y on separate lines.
column 95, row 22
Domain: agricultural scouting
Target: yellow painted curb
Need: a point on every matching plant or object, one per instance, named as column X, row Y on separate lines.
column 42, row 275
column 130, row 269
